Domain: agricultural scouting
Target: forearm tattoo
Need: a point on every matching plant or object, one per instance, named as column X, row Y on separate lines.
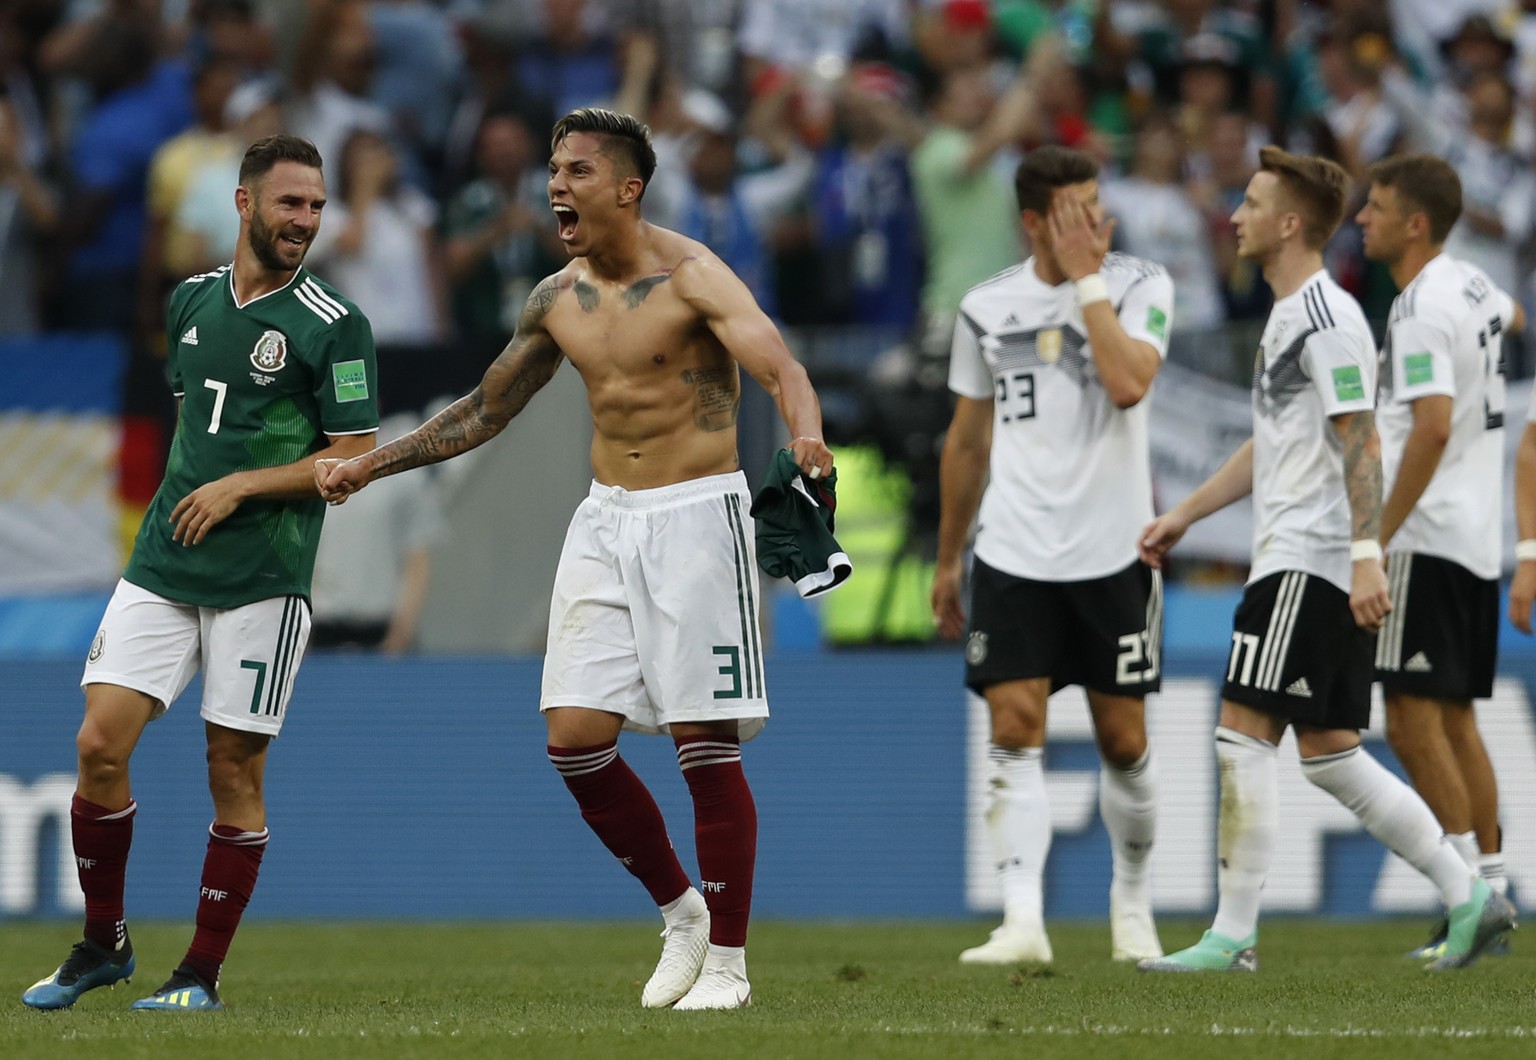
column 1362, row 474
column 528, row 362
column 716, row 397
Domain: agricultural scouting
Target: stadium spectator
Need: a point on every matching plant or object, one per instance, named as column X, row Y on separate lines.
column 1186, row 41
column 209, row 586
column 29, row 214
column 863, row 210
column 491, row 84
column 498, row 236
column 1219, row 178
column 139, row 106
column 374, row 564
column 168, row 254
column 211, row 230
column 735, row 214
column 632, row 610
column 332, row 78
column 959, row 175
column 1498, row 187
column 417, row 77
column 381, row 246
column 1157, row 219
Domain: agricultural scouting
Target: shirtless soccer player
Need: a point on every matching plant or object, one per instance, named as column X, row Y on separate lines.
column 653, row 624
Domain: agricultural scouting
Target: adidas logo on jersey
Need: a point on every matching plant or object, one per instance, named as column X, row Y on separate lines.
column 1299, row 687
column 1419, row 664
column 190, row 338
column 1010, row 321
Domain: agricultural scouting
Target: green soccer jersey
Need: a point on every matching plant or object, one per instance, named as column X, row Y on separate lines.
column 260, row 385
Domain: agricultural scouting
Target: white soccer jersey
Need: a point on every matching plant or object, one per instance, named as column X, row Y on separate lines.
column 1071, row 483
column 1317, row 360
column 1445, row 336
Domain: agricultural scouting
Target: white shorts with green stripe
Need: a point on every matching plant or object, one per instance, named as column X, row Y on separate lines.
column 249, row 655
column 655, row 608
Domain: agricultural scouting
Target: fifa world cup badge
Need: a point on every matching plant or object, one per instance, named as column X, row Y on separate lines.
column 1048, row 345
column 271, row 351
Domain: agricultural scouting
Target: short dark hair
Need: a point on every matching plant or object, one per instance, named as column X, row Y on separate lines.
column 628, row 134
column 267, row 152
column 1426, row 185
column 1045, row 169
column 1315, row 184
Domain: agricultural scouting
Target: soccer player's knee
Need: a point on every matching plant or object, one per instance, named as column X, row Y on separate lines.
column 1406, row 734
column 1122, row 748
column 232, row 778
column 103, row 757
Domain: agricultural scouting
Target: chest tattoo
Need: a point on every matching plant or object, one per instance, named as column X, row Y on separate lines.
column 586, row 296
column 636, row 292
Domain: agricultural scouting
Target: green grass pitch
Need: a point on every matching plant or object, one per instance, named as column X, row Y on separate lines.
column 840, row 990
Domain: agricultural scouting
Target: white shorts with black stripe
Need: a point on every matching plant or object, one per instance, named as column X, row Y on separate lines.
column 654, row 613
column 249, row 655
column 1297, row 653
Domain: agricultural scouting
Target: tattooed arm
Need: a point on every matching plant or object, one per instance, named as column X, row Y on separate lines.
column 1368, row 597
column 735, row 319
column 528, row 362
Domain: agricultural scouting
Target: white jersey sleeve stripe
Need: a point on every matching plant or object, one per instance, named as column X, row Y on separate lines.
column 324, row 299
column 303, row 295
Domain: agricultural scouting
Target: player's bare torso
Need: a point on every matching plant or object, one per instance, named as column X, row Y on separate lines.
column 664, row 393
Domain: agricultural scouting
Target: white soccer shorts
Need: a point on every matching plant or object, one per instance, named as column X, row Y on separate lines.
column 654, row 612
column 249, row 655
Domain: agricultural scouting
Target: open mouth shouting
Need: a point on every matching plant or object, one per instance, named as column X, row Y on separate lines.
column 568, row 219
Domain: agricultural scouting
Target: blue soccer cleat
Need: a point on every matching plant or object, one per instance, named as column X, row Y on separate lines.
column 184, row 991
column 87, row 967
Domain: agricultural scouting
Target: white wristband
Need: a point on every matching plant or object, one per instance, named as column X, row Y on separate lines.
column 1364, row 548
column 1525, row 550
column 1090, row 289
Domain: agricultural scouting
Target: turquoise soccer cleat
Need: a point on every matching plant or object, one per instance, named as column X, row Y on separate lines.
column 1475, row 926
column 87, row 967
column 184, row 991
column 1213, row 953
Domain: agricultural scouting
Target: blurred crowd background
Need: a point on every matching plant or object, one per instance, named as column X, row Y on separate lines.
column 850, row 159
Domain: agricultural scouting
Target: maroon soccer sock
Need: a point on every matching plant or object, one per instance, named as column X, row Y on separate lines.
column 102, row 838
column 617, row 806
column 229, row 877
column 724, row 830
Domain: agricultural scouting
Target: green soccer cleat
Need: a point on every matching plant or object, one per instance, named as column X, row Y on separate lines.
column 1475, row 926
column 1213, row 953
column 184, row 991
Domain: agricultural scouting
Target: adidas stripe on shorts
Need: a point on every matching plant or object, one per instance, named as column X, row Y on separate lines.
column 1297, row 653
column 249, row 655
column 655, row 605
column 1441, row 638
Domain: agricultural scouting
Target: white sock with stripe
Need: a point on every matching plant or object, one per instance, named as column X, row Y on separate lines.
column 1128, row 805
column 1019, row 825
column 1395, row 814
column 1248, row 821
column 1491, row 868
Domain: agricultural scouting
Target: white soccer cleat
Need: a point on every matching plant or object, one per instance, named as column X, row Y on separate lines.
column 1011, row 943
column 686, row 940
column 1132, row 932
column 722, row 984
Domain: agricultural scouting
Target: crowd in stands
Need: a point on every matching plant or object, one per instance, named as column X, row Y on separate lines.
column 850, row 159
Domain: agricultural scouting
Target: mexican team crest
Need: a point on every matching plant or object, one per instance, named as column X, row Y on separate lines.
column 271, row 351
column 1048, row 345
